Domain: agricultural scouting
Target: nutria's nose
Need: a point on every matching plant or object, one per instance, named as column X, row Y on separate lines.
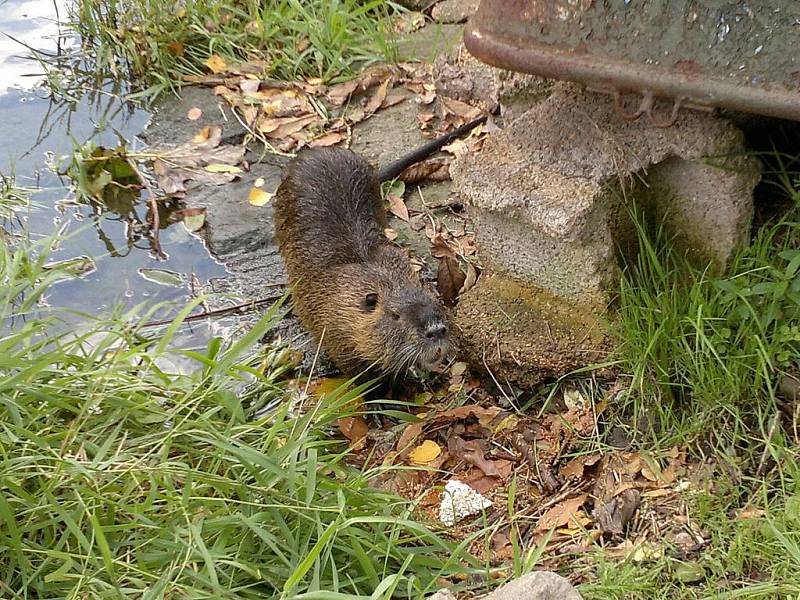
column 435, row 331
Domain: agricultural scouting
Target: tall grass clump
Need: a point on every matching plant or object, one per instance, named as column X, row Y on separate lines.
column 701, row 345
column 119, row 479
column 158, row 42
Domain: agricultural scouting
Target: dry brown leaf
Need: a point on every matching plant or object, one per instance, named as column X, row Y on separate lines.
column 409, row 436
column 176, row 48
column 449, row 280
column 470, row 280
column 201, row 136
column 194, row 113
column 353, row 428
column 378, row 97
column 390, row 234
column 464, row 111
column 328, row 139
column 394, row 97
column 484, row 415
column 441, row 249
column 175, row 167
column 339, row 94
column 397, row 207
column 563, row 513
column 576, row 466
column 433, row 169
column 472, row 452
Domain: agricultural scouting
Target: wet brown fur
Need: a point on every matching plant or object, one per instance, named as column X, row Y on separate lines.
column 330, row 225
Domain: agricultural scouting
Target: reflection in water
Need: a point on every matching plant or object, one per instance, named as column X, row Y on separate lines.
column 41, row 131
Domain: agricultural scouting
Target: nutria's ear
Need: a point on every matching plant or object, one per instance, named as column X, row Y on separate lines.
column 371, row 301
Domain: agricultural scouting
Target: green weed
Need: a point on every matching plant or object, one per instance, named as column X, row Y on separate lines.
column 119, row 478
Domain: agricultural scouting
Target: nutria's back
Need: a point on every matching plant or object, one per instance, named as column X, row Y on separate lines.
column 352, row 289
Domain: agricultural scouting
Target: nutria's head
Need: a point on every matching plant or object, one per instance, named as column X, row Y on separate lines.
column 395, row 324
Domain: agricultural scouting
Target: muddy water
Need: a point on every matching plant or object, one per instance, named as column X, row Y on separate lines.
column 38, row 129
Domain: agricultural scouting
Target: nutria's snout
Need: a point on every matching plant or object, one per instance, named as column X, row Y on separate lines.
column 436, row 344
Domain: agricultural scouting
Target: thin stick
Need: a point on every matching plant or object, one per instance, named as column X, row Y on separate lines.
column 153, row 208
column 250, row 305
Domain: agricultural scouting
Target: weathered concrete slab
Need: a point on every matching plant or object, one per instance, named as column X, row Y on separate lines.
column 454, row 11
column 549, row 196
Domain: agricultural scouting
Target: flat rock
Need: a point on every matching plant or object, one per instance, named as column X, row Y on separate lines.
column 454, row 11
column 539, row 585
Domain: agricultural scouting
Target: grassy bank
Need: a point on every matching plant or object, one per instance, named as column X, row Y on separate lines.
column 156, row 43
column 119, row 479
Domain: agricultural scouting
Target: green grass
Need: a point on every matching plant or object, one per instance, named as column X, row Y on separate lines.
column 119, row 479
column 156, row 42
column 704, row 355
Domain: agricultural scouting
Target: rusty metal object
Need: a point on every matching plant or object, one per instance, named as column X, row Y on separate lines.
column 737, row 55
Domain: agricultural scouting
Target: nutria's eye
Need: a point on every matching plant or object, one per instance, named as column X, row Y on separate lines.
column 371, row 301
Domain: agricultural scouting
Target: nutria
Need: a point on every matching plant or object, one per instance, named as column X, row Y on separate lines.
column 351, row 288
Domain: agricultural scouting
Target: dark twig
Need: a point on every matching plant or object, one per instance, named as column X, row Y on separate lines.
column 153, row 208
column 243, row 307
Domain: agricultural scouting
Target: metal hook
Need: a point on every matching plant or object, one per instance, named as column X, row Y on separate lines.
column 673, row 117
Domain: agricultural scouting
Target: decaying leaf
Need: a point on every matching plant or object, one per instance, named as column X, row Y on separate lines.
column 194, row 113
column 449, row 280
column 327, row 139
column 425, row 453
column 216, row 64
column 613, row 515
column 162, row 277
column 176, row 48
column 258, row 197
column 398, row 207
column 390, row 234
column 562, row 514
column 378, row 97
column 470, row 279
column 433, row 169
column 354, row 429
column 175, row 167
column 194, row 218
column 440, row 248
column 472, row 452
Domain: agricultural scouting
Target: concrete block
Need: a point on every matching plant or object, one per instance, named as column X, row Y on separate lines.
column 539, row 585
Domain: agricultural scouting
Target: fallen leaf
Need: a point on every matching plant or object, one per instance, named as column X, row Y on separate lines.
column 449, row 280
column 440, row 248
column 194, row 218
column 390, row 234
column 258, row 197
column 328, row 139
column 176, row 48
column 408, row 22
column 222, row 168
column 339, row 94
column 353, row 428
column 470, row 279
column 434, row 169
column 425, row 453
column 485, row 415
column 174, row 167
column 612, row 516
column 378, row 97
column 162, row 277
column 194, row 113
column 562, row 513
column 460, row 109
column 397, row 207
column 216, row 64
column 202, row 135
column 259, row 182
column 409, row 435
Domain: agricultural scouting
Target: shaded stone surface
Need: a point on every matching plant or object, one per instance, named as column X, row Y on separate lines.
column 454, row 11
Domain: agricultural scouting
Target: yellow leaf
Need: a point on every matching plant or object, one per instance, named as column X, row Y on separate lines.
column 259, row 182
column 425, row 453
column 216, row 63
column 258, row 197
column 202, row 135
column 222, row 168
column 180, row 14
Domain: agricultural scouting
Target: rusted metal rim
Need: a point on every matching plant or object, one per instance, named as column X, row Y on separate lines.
column 611, row 75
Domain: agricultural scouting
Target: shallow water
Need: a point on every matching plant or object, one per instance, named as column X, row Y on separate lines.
column 38, row 129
